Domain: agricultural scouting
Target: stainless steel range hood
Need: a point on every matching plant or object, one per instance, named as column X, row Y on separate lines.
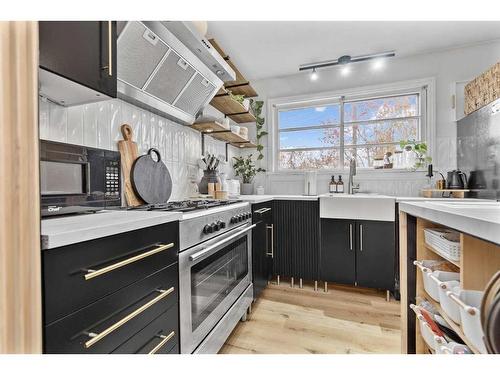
column 168, row 68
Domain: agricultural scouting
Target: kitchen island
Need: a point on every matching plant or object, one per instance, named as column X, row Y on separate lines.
column 478, row 225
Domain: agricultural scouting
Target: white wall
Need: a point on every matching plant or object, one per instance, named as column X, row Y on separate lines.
column 98, row 125
column 447, row 67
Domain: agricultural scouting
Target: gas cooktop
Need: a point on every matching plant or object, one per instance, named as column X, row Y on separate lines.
column 185, row 206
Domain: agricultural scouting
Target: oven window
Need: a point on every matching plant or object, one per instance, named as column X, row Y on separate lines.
column 61, row 178
column 215, row 277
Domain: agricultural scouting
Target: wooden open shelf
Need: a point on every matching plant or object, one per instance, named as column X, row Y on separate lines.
column 219, row 132
column 232, row 108
column 479, row 261
column 240, row 86
column 430, row 248
column 456, row 327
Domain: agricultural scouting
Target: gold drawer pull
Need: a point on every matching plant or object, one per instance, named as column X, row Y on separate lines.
column 94, row 273
column 99, row 336
column 162, row 342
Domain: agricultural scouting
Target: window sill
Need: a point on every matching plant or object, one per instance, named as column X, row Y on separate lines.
column 396, row 174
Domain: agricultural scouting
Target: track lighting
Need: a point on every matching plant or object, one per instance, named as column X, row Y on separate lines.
column 347, row 60
column 314, row 75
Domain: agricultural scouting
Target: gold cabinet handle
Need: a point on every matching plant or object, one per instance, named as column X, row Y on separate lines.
column 99, row 336
column 110, row 48
column 94, row 273
column 162, row 342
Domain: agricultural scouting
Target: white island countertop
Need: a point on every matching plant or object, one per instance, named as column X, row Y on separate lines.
column 62, row 231
column 480, row 219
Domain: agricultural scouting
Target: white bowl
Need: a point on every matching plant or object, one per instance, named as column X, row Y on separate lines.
column 469, row 302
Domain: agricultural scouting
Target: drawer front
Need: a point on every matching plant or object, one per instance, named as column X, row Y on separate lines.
column 119, row 260
column 158, row 337
column 104, row 325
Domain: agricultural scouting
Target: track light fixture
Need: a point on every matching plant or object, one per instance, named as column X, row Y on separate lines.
column 314, row 75
column 343, row 60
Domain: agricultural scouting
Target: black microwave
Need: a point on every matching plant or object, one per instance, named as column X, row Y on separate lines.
column 76, row 178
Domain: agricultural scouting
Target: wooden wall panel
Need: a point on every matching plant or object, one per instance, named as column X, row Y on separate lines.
column 20, row 270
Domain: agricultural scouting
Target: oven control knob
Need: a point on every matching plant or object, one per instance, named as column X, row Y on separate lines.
column 232, row 220
column 248, row 215
column 208, row 229
column 216, row 226
column 239, row 218
column 222, row 224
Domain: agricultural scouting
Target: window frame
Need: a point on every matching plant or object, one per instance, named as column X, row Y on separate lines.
column 424, row 87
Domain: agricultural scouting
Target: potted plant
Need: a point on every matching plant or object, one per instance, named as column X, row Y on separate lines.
column 419, row 149
column 244, row 167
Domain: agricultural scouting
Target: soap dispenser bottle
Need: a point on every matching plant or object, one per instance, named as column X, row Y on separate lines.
column 332, row 186
column 340, row 185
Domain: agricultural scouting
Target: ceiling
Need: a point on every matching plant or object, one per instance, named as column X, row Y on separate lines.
column 264, row 49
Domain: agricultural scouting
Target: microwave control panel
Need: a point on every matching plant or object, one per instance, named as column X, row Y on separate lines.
column 112, row 179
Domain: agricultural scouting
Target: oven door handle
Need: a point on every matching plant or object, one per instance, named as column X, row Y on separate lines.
column 210, row 248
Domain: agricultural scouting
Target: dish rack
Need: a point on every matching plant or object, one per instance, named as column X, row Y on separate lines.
column 439, row 240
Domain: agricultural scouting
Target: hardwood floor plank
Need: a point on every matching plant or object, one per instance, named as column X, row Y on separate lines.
column 302, row 321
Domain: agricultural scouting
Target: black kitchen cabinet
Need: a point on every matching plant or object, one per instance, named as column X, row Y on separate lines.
column 338, row 253
column 121, row 290
column 297, row 233
column 81, row 51
column 358, row 252
column 262, row 246
column 375, row 254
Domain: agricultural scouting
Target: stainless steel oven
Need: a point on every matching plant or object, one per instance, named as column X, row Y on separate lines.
column 214, row 283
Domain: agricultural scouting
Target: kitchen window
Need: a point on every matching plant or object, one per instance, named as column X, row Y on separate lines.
column 327, row 135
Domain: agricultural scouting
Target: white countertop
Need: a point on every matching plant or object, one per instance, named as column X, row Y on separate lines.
column 480, row 219
column 265, row 198
column 61, row 231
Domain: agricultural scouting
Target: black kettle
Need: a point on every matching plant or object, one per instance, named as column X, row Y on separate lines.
column 456, row 180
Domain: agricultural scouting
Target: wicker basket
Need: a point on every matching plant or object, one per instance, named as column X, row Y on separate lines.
column 437, row 239
column 483, row 89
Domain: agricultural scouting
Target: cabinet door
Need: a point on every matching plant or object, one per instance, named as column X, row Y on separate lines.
column 259, row 261
column 82, row 51
column 297, row 248
column 338, row 252
column 375, row 254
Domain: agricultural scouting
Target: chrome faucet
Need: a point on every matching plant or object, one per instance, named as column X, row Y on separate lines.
column 352, row 172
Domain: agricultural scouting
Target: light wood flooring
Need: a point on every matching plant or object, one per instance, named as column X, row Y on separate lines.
column 302, row 321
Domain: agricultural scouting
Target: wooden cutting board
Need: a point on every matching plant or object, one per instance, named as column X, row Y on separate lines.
column 129, row 153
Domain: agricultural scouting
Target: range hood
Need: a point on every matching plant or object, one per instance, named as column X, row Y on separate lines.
column 168, row 68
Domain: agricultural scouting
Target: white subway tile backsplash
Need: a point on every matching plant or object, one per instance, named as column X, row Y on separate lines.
column 99, row 125
column 43, row 118
column 58, row 123
column 75, row 125
column 103, row 128
column 90, row 125
column 115, row 122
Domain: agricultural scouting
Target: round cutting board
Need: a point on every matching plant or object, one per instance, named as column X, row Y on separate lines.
column 151, row 179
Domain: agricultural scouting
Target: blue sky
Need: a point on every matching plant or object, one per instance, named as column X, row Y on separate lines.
column 306, row 117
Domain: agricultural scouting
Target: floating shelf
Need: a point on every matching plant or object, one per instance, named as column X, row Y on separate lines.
column 240, row 86
column 232, row 108
column 219, row 132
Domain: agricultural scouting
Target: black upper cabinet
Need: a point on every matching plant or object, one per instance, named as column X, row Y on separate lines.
column 376, row 254
column 358, row 252
column 338, row 252
column 81, row 51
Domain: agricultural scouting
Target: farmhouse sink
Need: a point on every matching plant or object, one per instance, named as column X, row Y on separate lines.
column 361, row 206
